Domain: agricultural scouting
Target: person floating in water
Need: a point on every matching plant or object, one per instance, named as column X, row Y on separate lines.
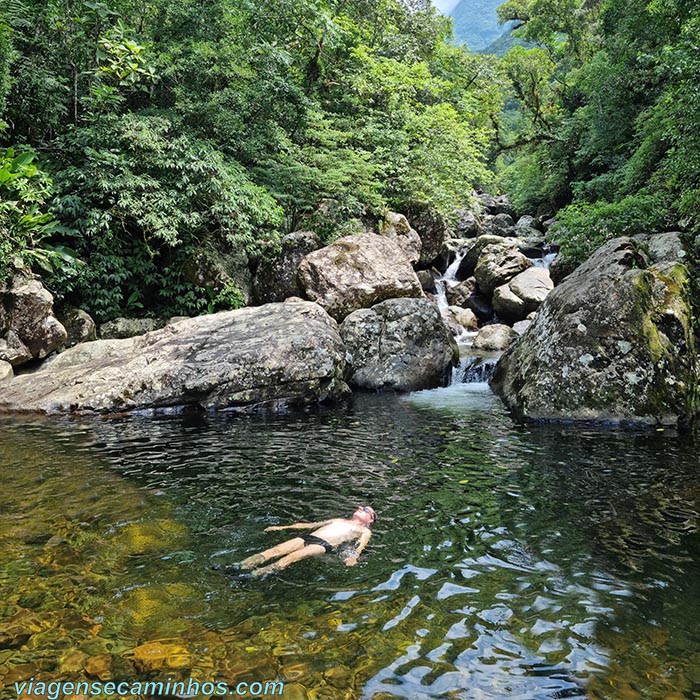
column 328, row 535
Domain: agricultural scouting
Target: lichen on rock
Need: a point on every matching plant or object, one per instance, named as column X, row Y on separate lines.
column 613, row 342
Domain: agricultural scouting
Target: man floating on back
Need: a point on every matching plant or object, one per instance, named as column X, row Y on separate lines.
column 328, row 535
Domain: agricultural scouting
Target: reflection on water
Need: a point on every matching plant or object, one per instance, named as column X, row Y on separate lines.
column 507, row 561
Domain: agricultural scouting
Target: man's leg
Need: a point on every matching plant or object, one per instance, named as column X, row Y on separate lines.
column 311, row 550
column 277, row 551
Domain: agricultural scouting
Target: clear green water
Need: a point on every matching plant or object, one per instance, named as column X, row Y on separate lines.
column 507, row 562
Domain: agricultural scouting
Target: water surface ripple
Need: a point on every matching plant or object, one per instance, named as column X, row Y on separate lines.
column 507, row 561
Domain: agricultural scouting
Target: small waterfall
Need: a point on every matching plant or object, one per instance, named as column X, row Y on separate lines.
column 544, row 262
column 474, row 370
column 449, row 278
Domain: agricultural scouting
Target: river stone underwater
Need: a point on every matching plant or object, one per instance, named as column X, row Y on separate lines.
column 507, row 561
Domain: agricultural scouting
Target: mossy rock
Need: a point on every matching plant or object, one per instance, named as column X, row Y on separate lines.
column 614, row 342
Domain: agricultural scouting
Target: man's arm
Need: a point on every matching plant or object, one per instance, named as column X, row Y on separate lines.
column 297, row 526
column 362, row 543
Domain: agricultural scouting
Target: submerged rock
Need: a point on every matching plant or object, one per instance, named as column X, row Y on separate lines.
column 260, row 357
column 357, row 272
column 612, row 342
column 400, row 344
column 29, row 330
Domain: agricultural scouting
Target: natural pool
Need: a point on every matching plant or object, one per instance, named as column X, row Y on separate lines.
column 507, row 561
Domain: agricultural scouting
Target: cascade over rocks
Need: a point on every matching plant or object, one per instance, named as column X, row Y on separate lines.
column 28, row 328
column 357, row 272
column 400, row 344
column 612, row 342
column 262, row 358
column 276, row 278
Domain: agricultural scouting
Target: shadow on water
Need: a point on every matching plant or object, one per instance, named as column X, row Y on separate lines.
column 507, row 561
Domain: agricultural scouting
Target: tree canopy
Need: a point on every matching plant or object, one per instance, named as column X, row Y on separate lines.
column 162, row 125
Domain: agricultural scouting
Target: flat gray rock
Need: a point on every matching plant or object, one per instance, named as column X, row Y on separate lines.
column 264, row 357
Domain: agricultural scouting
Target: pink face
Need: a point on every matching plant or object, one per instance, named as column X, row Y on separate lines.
column 365, row 514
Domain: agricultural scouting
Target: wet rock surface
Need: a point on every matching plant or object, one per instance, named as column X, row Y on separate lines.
column 613, row 342
column 262, row 357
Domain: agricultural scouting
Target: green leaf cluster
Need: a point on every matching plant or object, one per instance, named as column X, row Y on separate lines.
column 609, row 120
column 167, row 125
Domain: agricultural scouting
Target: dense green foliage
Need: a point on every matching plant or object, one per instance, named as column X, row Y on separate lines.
column 168, row 125
column 610, row 120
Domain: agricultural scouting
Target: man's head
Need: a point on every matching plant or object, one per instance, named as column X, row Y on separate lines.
column 365, row 514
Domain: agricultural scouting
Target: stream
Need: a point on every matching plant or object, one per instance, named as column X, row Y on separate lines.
column 507, row 561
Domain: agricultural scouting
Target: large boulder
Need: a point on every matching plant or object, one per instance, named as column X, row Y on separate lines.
column 458, row 318
column 468, row 224
column 259, row 358
column 80, row 327
column 399, row 344
column 612, row 342
column 500, row 225
column 6, row 371
column 470, row 260
column 219, row 269
column 396, row 227
column 458, row 294
column 431, row 227
column 357, row 272
column 663, row 247
column 497, row 265
column 120, row 328
column 522, row 294
column 496, row 204
column 29, row 329
column 276, row 276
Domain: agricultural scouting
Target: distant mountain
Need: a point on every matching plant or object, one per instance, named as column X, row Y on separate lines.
column 476, row 23
column 505, row 43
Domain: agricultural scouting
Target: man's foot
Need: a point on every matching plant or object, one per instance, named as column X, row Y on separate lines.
column 252, row 561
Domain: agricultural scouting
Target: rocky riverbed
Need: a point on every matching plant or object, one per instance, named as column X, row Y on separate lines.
column 385, row 310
